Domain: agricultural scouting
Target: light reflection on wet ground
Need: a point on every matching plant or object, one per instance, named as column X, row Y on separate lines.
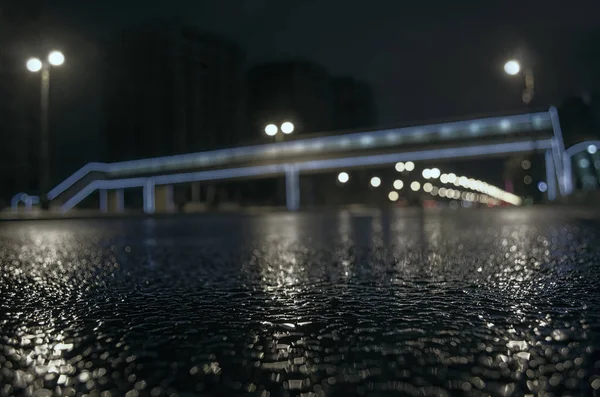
column 385, row 303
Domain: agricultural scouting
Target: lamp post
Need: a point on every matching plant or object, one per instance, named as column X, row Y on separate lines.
column 55, row 58
column 273, row 131
column 278, row 133
column 512, row 68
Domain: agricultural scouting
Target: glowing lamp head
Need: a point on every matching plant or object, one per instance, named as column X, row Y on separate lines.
column 287, row 127
column 34, row 65
column 343, row 177
column 375, row 181
column 271, row 130
column 512, row 67
column 56, row 58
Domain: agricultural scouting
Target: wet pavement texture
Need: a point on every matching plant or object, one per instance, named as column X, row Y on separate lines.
column 459, row 303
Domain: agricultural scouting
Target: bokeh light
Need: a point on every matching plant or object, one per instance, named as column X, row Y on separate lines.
column 271, row 130
column 56, row 58
column 512, row 67
column 34, row 65
column 287, row 127
column 343, row 177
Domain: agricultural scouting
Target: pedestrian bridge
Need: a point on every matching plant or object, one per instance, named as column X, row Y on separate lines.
column 459, row 139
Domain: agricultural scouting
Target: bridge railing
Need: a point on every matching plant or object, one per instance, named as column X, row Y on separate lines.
column 471, row 129
column 589, row 146
column 391, row 137
column 292, row 170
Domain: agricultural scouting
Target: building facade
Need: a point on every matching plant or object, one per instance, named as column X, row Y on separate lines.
column 354, row 106
column 305, row 94
column 172, row 89
column 296, row 91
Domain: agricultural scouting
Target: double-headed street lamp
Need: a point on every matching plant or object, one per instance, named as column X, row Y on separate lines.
column 272, row 130
column 512, row 68
column 55, row 58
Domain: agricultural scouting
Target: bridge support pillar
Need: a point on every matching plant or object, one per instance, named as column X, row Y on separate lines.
column 112, row 200
column 567, row 175
column 196, row 191
column 163, row 199
column 149, row 189
column 551, row 175
column 292, row 188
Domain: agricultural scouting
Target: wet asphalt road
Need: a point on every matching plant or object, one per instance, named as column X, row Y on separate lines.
column 501, row 303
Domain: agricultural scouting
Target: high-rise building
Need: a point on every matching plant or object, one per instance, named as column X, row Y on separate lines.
column 353, row 104
column 296, row 91
column 308, row 96
column 173, row 89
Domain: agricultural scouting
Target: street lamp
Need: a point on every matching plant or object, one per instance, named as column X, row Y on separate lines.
column 55, row 58
column 512, row 68
column 272, row 130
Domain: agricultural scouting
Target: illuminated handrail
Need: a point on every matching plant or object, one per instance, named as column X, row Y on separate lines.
column 336, row 143
column 580, row 147
column 76, row 176
column 311, row 165
column 318, row 145
column 567, row 167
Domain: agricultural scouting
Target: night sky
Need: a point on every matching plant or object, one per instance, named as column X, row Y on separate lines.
column 437, row 59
